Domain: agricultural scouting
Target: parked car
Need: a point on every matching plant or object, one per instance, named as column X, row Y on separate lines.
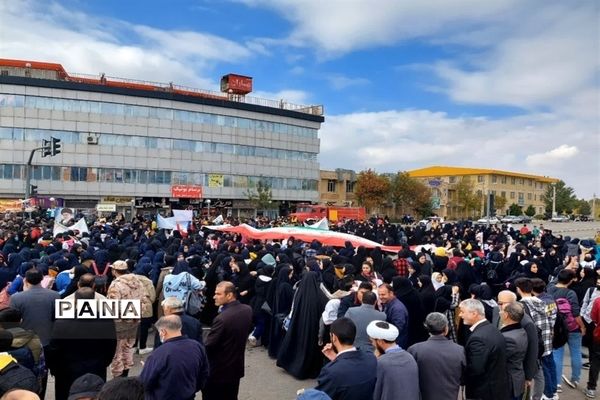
column 512, row 219
column 560, row 218
column 526, row 219
column 486, row 221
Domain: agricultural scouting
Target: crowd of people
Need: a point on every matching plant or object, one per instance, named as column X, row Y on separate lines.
column 486, row 308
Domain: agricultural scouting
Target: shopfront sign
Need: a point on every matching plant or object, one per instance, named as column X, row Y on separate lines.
column 106, row 207
column 186, row 191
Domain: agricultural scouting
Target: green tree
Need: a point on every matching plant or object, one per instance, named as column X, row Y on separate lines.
column 515, row 209
column 500, row 202
column 371, row 189
column 262, row 198
column 530, row 211
column 411, row 194
column 565, row 198
column 468, row 199
column 584, row 207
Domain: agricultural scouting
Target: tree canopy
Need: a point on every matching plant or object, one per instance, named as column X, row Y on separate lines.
column 565, row 199
column 372, row 190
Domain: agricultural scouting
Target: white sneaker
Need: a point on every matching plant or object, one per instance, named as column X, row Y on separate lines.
column 145, row 351
column 252, row 341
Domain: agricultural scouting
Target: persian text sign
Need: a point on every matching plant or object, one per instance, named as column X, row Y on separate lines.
column 186, row 191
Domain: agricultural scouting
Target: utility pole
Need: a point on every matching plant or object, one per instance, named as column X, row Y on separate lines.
column 554, row 200
column 594, row 207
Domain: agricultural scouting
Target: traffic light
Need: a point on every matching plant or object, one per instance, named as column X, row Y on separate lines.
column 33, row 190
column 55, row 146
column 46, row 148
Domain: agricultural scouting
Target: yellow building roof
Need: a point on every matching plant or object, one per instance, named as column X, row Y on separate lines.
column 438, row 170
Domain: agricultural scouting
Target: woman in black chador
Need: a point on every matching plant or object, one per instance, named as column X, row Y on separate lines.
column 300, row 354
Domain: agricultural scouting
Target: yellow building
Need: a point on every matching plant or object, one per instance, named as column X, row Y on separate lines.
column 518, row 188
column 336, row 188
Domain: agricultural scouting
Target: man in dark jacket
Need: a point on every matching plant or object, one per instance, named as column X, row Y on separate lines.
column 352, row 373
column 226, row 344
column 441, row 361
column 178, row 368
column 190, row 326
column 396, row 313
column 78, row 347
column 486, row 376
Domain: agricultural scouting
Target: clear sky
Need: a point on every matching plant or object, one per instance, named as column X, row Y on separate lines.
column 505, row 84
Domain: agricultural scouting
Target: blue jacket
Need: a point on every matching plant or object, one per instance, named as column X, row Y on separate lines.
column 175, row 371
column 351, row 376
column 397, row 314
column 177, row 285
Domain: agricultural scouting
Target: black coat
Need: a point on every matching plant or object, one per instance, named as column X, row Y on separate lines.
column 416, row 315
column 226, row 343
column 486, row 376
column 78, row 347
column 284, row 295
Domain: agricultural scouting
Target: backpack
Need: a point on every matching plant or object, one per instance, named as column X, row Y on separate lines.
column 194, row 299
column 101, row 279
column 561, row 332
column 492, row 273
column 564, row 308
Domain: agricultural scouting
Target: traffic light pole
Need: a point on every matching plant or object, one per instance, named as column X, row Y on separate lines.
column 28, row 173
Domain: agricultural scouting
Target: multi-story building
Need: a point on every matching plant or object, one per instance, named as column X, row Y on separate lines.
column 518, row 188
column 336, row 188
column 152, row 145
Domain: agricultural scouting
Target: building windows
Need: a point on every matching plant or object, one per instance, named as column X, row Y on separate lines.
column 350, row 186
column 331, row 186
column 529, row 196
column 107, row 139
column 494, row 178
column 50, row 103
column 512, row 195
column 503, row 179
column 503, row 194
column 479, row 179
column 452, row 179
column 513, row 181
column 530, row 182
column 521, row 181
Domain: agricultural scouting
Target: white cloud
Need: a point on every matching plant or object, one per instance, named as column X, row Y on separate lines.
column 340, row 26
column 339, row 81
column 398, row 140
column 557, row 155
column 83, row 43
column 546, row 61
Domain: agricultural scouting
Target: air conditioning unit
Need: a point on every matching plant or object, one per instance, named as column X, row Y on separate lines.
column 92, row 139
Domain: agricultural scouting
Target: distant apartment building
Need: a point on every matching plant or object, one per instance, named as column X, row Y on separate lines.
column 515, row 187
column 336, row 188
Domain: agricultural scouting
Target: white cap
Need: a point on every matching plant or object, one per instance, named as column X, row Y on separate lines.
column 382, row 330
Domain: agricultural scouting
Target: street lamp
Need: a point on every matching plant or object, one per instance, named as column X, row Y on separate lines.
column 208, row 207
column 554, row 199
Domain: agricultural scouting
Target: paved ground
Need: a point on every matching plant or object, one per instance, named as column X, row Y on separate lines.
column 581, row 230
column 265, row 381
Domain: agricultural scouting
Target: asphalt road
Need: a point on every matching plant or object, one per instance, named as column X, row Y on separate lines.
column 265, row 381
